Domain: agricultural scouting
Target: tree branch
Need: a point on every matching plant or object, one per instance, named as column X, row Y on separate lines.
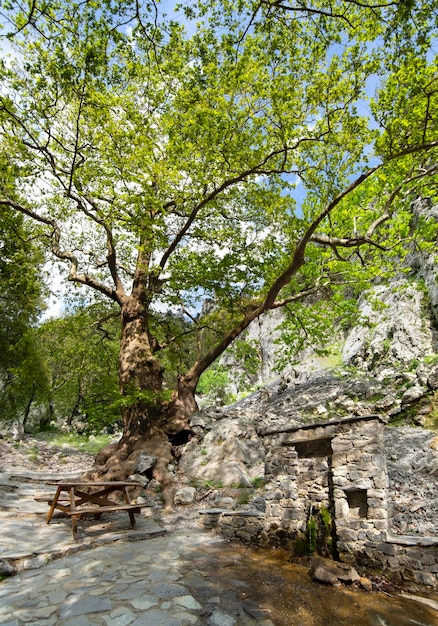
column 63, row 255
column 346, row 242
column 297, row 261
column 302, row 295
column 304, row 8
column 111, row 251
column 258, row 169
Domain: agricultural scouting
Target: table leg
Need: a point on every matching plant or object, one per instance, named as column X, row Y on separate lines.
column 128, row 501
column 53, row 505
column 132, row 518
column 74, row 520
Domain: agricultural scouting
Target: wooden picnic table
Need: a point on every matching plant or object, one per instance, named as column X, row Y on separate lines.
column 85, row 498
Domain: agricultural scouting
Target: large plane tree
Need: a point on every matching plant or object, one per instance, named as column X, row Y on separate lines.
column 162, row 158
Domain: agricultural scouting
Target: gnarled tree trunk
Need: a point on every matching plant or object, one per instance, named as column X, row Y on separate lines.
column 152, row 422
column 140, row 374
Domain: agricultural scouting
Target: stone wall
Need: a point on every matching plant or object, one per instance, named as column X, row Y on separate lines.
column 241, row 525
column 337, row 466
column 402, row 558
column 327, row 491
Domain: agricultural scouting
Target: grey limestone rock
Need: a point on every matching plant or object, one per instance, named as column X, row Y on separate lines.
column 413, row 394
column 397, row 332
column 184, row 495
column 331, row 572
column 145, row 462
column 432, row 380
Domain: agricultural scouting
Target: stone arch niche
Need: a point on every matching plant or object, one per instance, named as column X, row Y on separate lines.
column 357, row 500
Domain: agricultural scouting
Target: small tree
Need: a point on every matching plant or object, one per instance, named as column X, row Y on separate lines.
column 20, row 304
column 214, row 386
column 79, row 352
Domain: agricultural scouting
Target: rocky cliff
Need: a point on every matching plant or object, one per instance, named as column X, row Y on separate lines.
column 388, row 367
column 397, row 324
column 228, row 447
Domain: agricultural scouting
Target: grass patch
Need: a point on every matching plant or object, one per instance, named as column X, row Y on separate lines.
column 32, row 454
column 243, row 498
column 258, row 482
column 210, row 484
column 431, row 421
column 92, row 444
column 431, row 359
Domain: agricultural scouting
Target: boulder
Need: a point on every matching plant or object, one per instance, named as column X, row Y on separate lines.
column 230, row 454
column 17, row 431
column 139, row 478
column 224, row 502
column 432, row 380
column 413, row 394
column 332, row 572
column 145, row 462
column 184, row 495
column 197, row 424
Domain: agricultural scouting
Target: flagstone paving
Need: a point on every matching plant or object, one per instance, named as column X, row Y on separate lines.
column 148, row 583
column 111, row 576
column 167, row 572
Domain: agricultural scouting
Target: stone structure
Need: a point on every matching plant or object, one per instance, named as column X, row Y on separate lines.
column 327, row 492
column 338, row 467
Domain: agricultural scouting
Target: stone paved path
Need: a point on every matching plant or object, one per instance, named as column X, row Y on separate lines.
column 162, row 574
column 26, row 540
column 149, row 583
column 111, row 576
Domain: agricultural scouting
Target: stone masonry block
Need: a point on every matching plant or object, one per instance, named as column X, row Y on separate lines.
column 428, row 559
column 273, row 510
column 347, row 534
column 377, row 513
column 376, row 503
column 377, row 493
column 339, row 447
column 388, row 548
column 426, row 578
column 381, row 481
column 342, row 510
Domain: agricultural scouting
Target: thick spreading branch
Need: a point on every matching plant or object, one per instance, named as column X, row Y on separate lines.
column 259, row 169
column 63, row 255
column 297, row 261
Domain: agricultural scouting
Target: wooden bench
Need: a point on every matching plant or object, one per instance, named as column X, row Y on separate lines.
column 49, row 499
column 97, row 511
column 79, row 503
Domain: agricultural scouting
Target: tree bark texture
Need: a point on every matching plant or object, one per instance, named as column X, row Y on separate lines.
column 140, row 374
column 146, row 409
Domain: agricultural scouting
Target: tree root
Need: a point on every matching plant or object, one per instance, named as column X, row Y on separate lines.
column 118, row 461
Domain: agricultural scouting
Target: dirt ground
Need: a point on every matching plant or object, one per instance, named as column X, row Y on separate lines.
column 34, row 455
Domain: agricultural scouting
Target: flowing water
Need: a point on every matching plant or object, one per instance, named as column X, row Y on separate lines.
column 269, row 587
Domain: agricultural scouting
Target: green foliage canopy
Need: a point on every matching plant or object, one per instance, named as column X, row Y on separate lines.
column 163, row 165
column 21, row 302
